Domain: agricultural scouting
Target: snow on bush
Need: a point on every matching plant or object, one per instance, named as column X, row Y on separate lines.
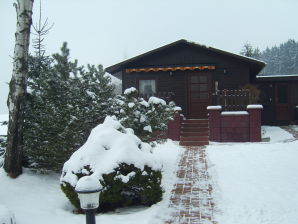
column 148, row 119
column 6, row 216
column 125, row 166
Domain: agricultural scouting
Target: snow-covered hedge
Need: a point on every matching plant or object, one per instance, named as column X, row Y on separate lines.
column 148, row 119
column 125, row 166
column 6, row 216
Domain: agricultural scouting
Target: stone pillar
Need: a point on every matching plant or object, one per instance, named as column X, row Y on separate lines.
column 214, row 123
column 255, row 112
column 174, row 127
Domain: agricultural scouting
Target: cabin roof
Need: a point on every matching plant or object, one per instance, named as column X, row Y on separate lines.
column 268, row 78
column 255, row 65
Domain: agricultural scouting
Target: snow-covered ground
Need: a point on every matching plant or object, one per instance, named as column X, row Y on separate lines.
column 3, row 128
column 256, row 183
column 35, row 198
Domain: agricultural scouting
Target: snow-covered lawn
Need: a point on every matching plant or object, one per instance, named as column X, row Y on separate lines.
column 35, row 198
column 256, row 183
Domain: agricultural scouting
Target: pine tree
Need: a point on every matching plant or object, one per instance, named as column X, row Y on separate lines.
column 65, row 102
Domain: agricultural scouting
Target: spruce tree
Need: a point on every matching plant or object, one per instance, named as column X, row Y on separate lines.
column 65, row 102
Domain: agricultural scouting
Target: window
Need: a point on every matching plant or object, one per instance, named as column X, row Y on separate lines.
column 147, row 87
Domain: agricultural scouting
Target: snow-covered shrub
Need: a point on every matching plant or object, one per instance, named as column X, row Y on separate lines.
column 6, row 216
column 125, row 166
column 65, row 101
column 148, row 119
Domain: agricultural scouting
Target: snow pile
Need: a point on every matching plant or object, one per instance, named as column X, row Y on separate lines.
column 130, row 91
column 276, row 134
column 256, row 182
column 88, row 183
column 6, row 216
column 108, row 145
column 156, row 100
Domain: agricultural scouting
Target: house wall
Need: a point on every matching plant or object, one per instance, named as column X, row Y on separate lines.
column 238, row 73
column 268, row 100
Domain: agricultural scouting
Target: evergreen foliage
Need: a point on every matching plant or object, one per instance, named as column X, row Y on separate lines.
column 281, row 60
column 249, row 51
column 143, row 188
column 65, row 101
column 148, row 119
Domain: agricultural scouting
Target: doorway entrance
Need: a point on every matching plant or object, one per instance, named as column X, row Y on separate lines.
column 199, row 94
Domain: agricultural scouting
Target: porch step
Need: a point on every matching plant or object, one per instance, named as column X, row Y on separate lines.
column 190, row 125
column 194, row 143
column 195, row 121
column 194, row 138
column 194, row 132
column 194, row 129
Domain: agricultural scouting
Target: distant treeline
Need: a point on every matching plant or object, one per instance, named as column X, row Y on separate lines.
column 281, row 60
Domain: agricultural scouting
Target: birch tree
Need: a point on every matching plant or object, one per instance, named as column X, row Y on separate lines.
column 17, row 89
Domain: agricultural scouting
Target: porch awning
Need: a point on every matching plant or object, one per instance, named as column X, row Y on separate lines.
column 171, row 68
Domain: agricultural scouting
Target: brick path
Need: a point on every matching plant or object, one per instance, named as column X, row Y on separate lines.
column 191, row 199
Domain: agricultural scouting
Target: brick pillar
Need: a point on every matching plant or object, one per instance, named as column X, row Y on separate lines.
column 214, row 123
column 174, row 127
column 255, row 112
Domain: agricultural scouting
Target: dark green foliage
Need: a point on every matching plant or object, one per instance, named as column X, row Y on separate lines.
column 147, row 119
column 65, row 101
column 281, row 60
column 143, row 188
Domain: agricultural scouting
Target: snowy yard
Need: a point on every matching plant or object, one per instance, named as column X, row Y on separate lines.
column 35, row 198
column 254, row 183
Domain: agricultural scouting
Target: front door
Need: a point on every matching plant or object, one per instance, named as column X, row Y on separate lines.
column 199, row 94
column 282, row 102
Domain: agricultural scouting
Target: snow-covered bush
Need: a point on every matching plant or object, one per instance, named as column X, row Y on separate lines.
column 148, row 119
column 125, row 166
column 6, row 216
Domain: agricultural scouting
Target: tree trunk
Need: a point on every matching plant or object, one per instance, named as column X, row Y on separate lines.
column 17, row 89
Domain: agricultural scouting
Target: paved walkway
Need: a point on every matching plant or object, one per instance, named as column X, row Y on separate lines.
column 191, row 198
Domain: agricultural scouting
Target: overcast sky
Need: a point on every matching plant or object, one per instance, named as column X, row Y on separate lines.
column 107, row 32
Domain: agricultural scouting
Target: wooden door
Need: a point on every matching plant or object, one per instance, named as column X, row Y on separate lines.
column 199, row 94
column 282, row 102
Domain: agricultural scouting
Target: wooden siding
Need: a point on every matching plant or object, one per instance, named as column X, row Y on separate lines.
column 238, row 73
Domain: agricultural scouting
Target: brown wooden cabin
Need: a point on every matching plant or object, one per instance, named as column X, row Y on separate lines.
column 188, row 73
column 279, row 97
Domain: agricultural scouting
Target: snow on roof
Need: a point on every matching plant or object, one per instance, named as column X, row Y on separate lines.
column 108, row 145
column 276, row 76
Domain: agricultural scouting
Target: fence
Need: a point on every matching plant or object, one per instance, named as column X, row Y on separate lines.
column 232, row 100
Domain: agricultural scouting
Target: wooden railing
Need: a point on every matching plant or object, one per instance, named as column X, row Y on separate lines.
column 232, row 100
column 167, row 96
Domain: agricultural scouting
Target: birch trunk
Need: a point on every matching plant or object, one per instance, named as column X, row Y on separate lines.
column 17, row 89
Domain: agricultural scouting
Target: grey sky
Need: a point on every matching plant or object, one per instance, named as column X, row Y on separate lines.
column 109, row 31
